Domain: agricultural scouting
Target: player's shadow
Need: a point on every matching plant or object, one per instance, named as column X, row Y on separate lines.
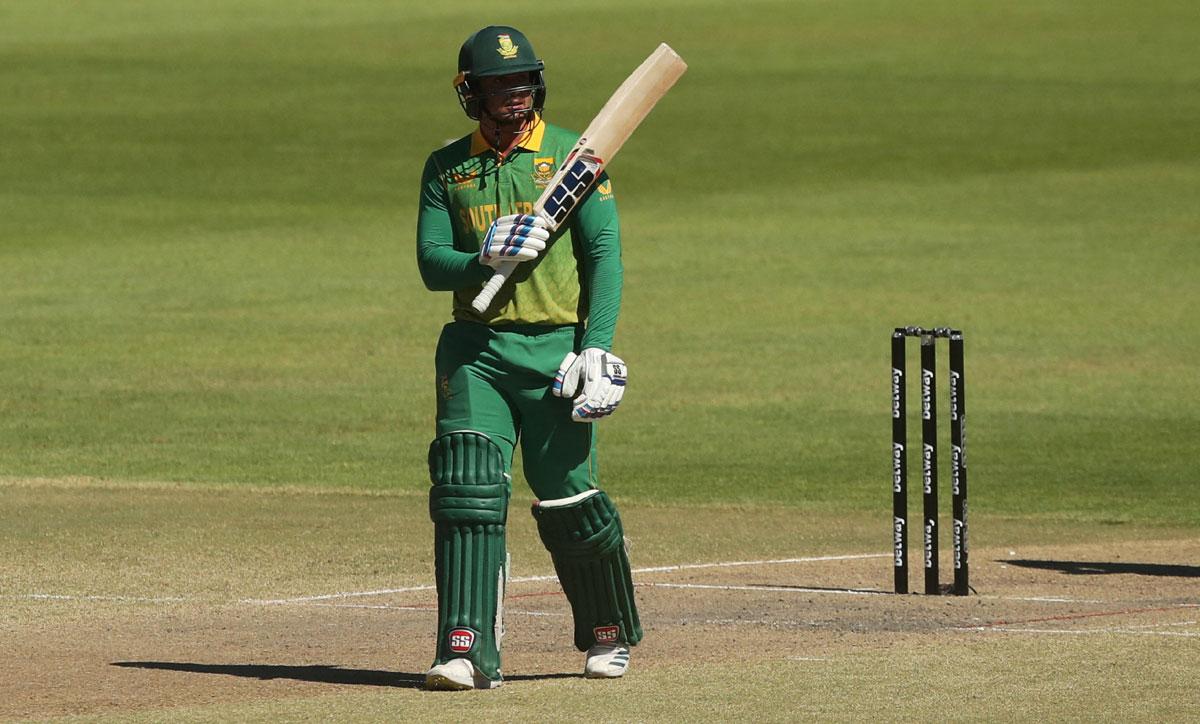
column 316, row 673
column 1086, row 568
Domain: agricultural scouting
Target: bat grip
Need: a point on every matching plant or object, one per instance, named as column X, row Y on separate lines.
column 484, row 299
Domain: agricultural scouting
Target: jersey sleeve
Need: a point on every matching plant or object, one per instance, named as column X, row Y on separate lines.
column 443, row 268
column 599, row 235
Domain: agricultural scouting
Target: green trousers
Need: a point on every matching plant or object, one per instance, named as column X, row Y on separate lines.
column 496, row 380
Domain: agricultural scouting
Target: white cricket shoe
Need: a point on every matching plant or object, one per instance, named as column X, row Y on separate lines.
column 606, row 661
column 457, row 675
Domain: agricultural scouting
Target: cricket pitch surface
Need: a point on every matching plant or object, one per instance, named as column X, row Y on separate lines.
column 1109, row 628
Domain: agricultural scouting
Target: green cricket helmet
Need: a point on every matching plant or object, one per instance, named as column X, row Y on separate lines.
column 497, row 50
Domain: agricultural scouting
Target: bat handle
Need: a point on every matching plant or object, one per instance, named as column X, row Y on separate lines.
column 484, row 299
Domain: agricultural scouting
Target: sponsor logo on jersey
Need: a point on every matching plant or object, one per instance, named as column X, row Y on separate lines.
column 507, row 50
column 463, row 178
column 461, row 640
column 543, row 171
column 606, row 634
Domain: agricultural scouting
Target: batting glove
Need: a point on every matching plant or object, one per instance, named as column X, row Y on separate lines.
column 517, row 237
column 598, row 376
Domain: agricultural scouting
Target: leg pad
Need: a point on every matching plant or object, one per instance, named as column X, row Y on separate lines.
column 468, row 504
column 586, row 541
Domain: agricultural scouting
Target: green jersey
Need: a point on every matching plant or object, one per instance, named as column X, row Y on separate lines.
column 577, row 279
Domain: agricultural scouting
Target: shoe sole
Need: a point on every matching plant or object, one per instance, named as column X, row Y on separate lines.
column 604, row 675
column 443, row 683
column 596, row 675
column 437, row 682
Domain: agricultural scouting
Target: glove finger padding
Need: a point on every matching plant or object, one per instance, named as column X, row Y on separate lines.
column 523, row 231
column 612, row 398
column 584, row 410
column 517, row 237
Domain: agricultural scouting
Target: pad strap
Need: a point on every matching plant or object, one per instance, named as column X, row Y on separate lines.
column 468, row 504
column 587, row 543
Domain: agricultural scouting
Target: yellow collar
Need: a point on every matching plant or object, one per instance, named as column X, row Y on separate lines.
column 531, row 142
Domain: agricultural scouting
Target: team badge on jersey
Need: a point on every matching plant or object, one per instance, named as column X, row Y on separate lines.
column 606, row 634
column 507, row 50
column 543, row 171
column 605, row 190
column 461, row 640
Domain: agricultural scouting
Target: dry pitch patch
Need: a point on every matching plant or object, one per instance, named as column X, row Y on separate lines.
column 1122, row 617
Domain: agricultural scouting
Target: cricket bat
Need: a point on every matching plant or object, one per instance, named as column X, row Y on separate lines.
column 604, row 136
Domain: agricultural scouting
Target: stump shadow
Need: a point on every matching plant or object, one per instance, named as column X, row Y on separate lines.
column 1093, row 568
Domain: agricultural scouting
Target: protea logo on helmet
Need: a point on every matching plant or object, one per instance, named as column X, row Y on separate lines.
column 461, row 640
column 606, row 634
column 507, row 50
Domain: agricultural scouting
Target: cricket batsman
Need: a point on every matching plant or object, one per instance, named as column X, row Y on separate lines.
column 536, row 368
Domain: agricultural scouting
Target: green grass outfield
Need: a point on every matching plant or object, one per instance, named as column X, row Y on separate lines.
column 207, row 214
